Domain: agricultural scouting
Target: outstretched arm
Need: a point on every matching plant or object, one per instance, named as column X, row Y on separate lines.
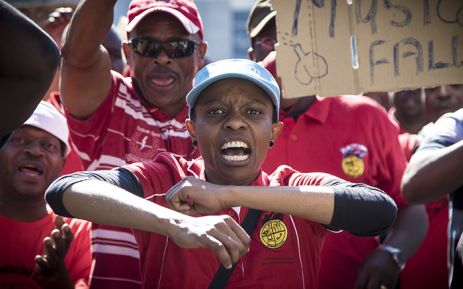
column 433, row 173
column 104, row 203
column 28, row 60
column 360, row 209
column 86, row 66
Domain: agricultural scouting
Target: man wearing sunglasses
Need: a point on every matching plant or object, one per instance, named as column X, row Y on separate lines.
column 115, row 120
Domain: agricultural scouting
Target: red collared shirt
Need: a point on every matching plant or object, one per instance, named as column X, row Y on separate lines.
column 284, row 251
column 350, row 137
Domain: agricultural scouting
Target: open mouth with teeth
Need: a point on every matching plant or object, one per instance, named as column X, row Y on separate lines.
column 235, row 151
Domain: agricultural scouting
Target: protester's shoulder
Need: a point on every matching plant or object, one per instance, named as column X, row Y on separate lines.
column 359, row 104
column 456, row 116
column 122, row 84
column 447, row 130
column 167, row 161
column 287, row 176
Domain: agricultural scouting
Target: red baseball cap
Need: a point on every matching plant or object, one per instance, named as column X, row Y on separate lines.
column 184, row 10
column 270, row 63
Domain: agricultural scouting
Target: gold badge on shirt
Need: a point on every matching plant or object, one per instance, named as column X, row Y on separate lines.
column 352, row 159
column 273, row 233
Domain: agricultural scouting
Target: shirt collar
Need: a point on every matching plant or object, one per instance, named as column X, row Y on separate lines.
column 318, row 111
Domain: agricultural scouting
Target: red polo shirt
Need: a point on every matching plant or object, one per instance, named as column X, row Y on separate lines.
column 284, row 251
column 350, row 137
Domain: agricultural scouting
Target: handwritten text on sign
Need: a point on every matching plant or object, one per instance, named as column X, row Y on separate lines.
column 333, row 47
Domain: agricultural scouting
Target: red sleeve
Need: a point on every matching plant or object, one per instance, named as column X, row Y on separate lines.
column 287, row 176
column 409, row 143
column 392, row 164
column 88, row 134
column 157, row 176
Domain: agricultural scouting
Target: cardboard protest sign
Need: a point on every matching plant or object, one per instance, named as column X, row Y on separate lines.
column 348, row 47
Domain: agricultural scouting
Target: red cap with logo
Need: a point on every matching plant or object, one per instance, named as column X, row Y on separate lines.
column 184, row 10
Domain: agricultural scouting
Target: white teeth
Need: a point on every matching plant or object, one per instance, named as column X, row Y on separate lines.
column 234, row 144
column 236, row 158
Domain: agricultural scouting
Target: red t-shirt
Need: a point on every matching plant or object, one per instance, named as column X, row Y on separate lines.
column 284, row 251
column 123, row 130
column 22, row 241
column 350, row 137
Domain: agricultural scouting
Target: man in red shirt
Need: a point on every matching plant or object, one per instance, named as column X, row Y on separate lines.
column 31, row 255
column 350, row 137
column 116, row 120
column 233, row 120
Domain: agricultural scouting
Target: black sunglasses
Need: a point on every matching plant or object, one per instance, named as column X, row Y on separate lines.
column 151, row 48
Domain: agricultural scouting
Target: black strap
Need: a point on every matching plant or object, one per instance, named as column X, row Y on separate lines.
column 223, row 275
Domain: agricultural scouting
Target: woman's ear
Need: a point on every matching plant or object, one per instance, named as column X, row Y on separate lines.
column 190, row 125
column 276, row 129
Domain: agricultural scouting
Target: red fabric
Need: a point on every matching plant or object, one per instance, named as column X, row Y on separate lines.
column 428, row 267
column 186, row 7
column 123, row 130
column 408, row 142
column 420, row 272
column 350, row 137
column 73, row 162
column 292, row 265
column 22, row 241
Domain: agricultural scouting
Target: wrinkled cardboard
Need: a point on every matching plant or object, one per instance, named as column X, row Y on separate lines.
column 400, row 45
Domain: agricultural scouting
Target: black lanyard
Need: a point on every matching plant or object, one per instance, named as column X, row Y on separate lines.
column 223, row 275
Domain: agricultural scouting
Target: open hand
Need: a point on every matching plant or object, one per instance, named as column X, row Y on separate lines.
column 378, row 271
column 221, row 234
column 50, row 264
column 57, row 22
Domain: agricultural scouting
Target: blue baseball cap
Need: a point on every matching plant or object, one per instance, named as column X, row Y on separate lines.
column 234, row 68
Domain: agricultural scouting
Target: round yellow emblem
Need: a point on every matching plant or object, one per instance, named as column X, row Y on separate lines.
column 353, row 166
column 273, row 234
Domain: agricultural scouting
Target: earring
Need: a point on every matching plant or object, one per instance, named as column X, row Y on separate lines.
column 271, row 143
column 194, row 142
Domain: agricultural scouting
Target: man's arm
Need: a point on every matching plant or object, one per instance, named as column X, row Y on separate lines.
column 86, row 66
column 104, row 203
column 406, row 234
column 433, row 173
column 28, row 60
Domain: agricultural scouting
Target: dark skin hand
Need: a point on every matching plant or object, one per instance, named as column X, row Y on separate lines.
column 50, row 264
column 378, row 269
column 57, row 21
